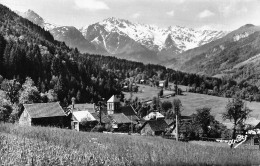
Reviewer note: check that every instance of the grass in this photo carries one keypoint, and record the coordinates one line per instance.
(51, 146)
(147, 92)
(193, 101)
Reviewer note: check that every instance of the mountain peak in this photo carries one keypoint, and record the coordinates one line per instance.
(247, 26)
(114, 20)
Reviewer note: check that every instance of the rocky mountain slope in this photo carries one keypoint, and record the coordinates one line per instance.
(165, 42)
(235, 55)
(69, 34)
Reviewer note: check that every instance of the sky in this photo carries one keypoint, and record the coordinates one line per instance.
(200, 14)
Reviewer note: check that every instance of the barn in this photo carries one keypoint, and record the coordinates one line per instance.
(44, 114)
(154, 127)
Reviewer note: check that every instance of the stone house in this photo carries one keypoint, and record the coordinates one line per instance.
(44, 114)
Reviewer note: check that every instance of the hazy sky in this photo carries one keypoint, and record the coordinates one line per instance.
(214, 14)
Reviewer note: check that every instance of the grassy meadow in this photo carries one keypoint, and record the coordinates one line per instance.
(51, 146)
(193, 101)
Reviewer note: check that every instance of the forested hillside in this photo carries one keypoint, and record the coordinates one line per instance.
(27, 50)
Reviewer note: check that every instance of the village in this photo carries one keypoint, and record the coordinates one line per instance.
(123, 117)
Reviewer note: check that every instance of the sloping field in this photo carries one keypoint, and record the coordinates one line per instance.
(49, 146)
(193, 101)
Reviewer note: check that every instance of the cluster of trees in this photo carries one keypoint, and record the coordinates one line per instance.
(226, 87)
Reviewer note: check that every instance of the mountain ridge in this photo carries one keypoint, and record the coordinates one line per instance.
(147, 44)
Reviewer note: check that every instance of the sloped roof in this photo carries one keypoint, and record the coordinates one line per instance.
(41, 110)
(257, 126)
(104, 118)
(157, 125)
(119, 118)
(83, 107)
(130, 113)
(81, 115)
(113, 99)
(169, 121)
(156, 115)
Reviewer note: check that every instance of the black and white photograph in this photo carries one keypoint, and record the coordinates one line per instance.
(129, 82)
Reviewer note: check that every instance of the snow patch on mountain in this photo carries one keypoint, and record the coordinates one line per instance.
(240, 36)
(154, 38)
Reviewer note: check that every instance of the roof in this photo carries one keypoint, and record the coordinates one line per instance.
(83, 107)
(81, 115)
(169, 121)
(113, 99)
(156, 125)
(130, 113)
(257, 126)
(151, 115)
(104, 118)
(41, 110)
(119, 118)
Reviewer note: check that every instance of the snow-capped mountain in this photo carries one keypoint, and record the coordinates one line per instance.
(174, 38)
(36, 19)
(124, 39)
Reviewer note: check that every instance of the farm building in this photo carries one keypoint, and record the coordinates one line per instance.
(162, 83)
(130, 113)
(44, 114)
(254, 134)
(119, 120)
(153, 115)
(154, 127)
(79, 117)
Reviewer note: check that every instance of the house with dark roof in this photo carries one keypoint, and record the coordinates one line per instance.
(44, 114)
(154, 127)
(130, 113)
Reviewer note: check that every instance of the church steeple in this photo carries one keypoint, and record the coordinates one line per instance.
(112, 104)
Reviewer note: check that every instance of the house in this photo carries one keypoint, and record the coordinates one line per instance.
(170, 122)
(130, 113)
(154, 127)
(104, 118)
(162, 83)
(153, 115)
(44, 114)
(142, 81)
(120, 122)
(254, 134)
(83, 116)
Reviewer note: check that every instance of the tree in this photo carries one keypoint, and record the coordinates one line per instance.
(161, 93)
(203, 118)
(177, 107)
(51, 96)
(5, 112)
(11, 87)
(236, 112)
(29, 92)
(166, 105)
(78, 96)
